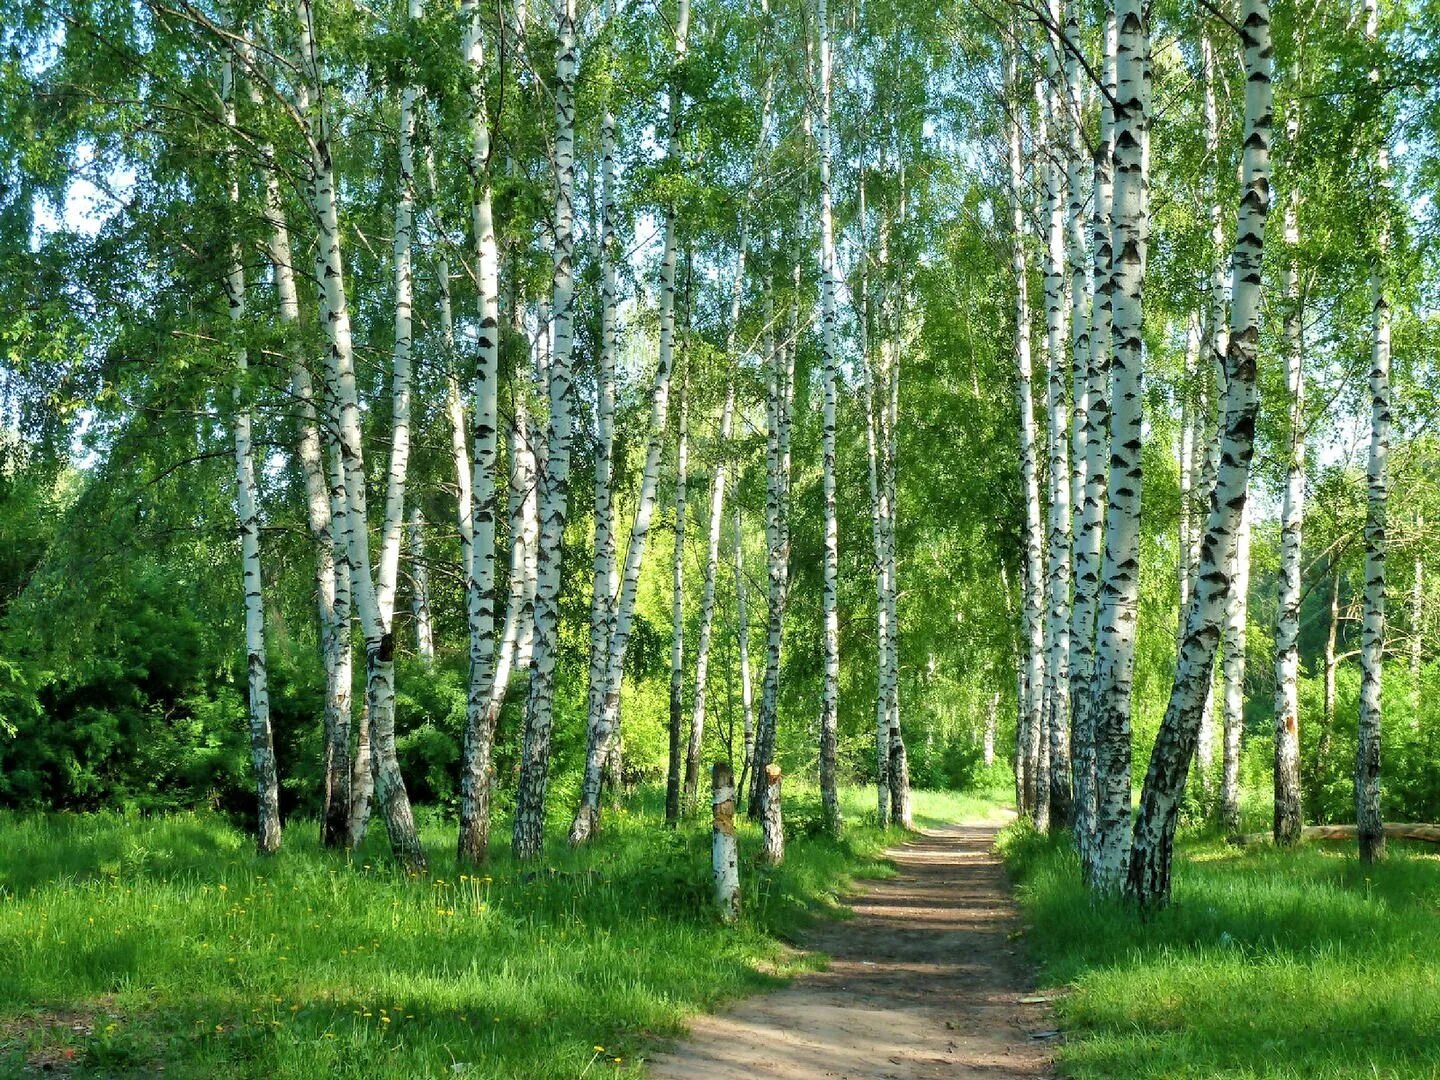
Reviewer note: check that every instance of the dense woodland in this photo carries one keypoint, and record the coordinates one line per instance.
(478, 414)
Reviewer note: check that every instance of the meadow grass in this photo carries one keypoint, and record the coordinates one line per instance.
(129, 945)
(1267, 963)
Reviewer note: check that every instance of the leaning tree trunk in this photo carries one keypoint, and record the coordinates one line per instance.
(1288, 818)
(1233, 670)
(1368, 823)
(529, 828)
(1120, 574)
(1090, 533)
(1057, 616)
(262, 745)
(1148, 881)
(830, 693)
(1033, 647)
(601, 728)
(482, 707)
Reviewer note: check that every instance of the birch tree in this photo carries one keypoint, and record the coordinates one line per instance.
(1120, 574)
(1369, 826)
(529, 827)
(601, 729)
(1148, 881)
(262, 747)
(830, 695)
(1233, 639)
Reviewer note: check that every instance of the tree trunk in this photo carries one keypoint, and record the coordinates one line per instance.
(772, 828)
(262, 745)
(781, 383)
(725, 857)
(1236, 614)
(677, 596)
(1119, 603)
(1368, 822)
(742, 638)
(420, 591)
(362, 782)
(529, 829)
(482, 705)
(1090, 532)
(1148, 881)
(1417, 628)
(1033, 649)
(604, 578)
(1288, 818)
(830, 694)
(600, 729)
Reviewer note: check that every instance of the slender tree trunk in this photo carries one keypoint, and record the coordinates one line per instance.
(898, 769)
(1119, 598)
(1288, 818)
(1090, 533)
(1151, 856)
(677, 593)
(389, 787)
(1033, 649)
(482, 704)
(1368, 823)
(1057, 617)
(1234, 635)
(332, 594)
(262, 746)
(781, 384)
(830, 694)
(601, 728)
(742, 638)
(1417, 629)
(604, 578)
(1332, 661)
(362, 782)
(529, 830)
(420, 591)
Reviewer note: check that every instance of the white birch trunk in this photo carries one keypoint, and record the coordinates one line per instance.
(529, 831)
(601, 729)
(1233, 670)
(742, 636)
(1148, 881)
(420, 591)
(340, 373)
(1369, 826)
(1033, 647)
(677, 581)
(262, 746)
(1288, 816)
(1090, 534)
(1120, 575)
(725, 856)
(482, 704)
(830, 695)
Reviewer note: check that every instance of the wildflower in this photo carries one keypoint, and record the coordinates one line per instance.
(599, 1049)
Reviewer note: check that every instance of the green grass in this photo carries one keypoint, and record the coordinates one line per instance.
(130, 944)
(1266, 964)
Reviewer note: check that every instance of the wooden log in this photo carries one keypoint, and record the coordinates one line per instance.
(725, 858)
(1427, 834)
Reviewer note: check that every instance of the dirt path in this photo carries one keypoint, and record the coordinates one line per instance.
(924, 982)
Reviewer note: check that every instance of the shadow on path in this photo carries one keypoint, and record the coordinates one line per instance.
(924, 982)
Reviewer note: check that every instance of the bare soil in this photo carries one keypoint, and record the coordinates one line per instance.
(927, 980)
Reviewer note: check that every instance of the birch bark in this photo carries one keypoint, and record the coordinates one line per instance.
(529, 828)
(1148, 881)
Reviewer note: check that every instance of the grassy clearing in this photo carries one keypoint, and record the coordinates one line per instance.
(1267, 963)
(129, 944)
